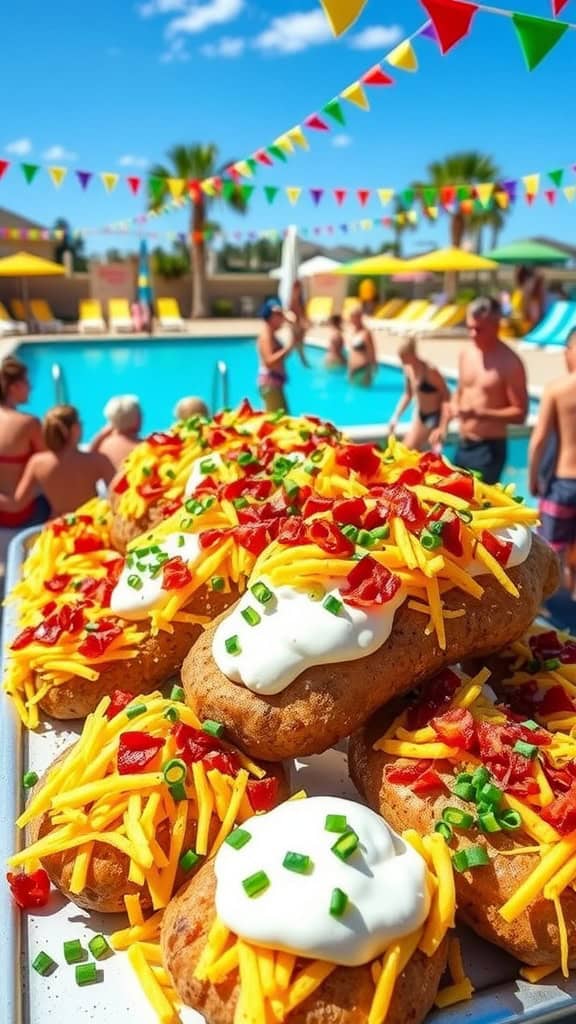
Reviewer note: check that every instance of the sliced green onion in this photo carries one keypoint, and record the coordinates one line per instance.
(332, 604)
(70, 520)
(335, 823)
(181, 541)
(135, 582)
(193, 506)
(44, 964)
(178, 792)
(346, 845)
(465, 515)
(155, 549)
(246, 459)
(464, 777)
(550, 664)
(292, 489)
(490, 794)
(135, 710)
(186, 522)
(217, 583)
(310, 468)
(305, 435)
(338, 903)
(317, 456)
(189, 860)
(457, 818)
(430, 541)
(351, 532)
(484, 808)
(436, 527)
(29, 779)
(172, 715)
(529, 750)
(510, 820)
(208, 466)
(465, 790)
(298, 862)
(251, 616)
(140, 552)
(480, 777)
(73, 951)
(170, 474)
(473, 857)
(174, 771)
(256, 884)
(533, 665)
(489, 822)
(240, 502)
(238, 838)
(146, 471)
(477, 474)
(380, 532)
(261, 592)
(530, 724)
(519, 499)
(177, 693)
(232, 645)
(86, 974)
(213, 728)
(445, 830)
(364, 538)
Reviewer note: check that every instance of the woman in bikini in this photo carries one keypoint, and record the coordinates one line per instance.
(362, 363)
(272, 354)
(335, 356)
(20, 438)
(425, 385)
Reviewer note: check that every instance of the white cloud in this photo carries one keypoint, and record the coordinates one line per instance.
(133, 161)
(147, 10)
(342, 140)
(59, 153)
(294, 33)
(198, 17)
(20, 147)
(376, 37)
(228, 46)
(176, 52)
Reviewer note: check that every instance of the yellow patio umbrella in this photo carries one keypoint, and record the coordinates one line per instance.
(443, 261)
(382, 264)
(25, 265)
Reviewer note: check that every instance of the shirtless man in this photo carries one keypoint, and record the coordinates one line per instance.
(557, 418)
(491, 394)
(122, 431)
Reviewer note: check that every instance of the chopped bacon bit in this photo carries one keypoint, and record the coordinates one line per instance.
(568, 654)
(293, 531)
(411, 477)
(194, 744)
(121, 485)
(456, 728)
(175, 574)
(209, 537)
(460, 485)
(360, 458)
(29, 891)
(87, 543)
(554, 701)
(545, 645)
(225, 761)
(370, 583)
(561, 814)
(152, 486)
(419, 776)
(328, 537)
(499, 549)
(266, 428)
(119, 699)
(97, 642)
(258, 489)
(23, 639)
(58, 583)
(452, 534)
(70, 619)
(49, 631)
(435, 464)
(253, 538)
(135, 751)
(244, 411)
(401, 502)
(349, 510)
(435, 694)
(315, 504)
(263, 793)
(162, 440)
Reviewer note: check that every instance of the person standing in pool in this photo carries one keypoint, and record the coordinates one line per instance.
(20, 438)
(335, 355)
(272, 354)
(362, 363)
(491, 394)
(425, 385)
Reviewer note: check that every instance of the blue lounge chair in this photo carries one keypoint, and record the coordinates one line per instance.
(554, 328)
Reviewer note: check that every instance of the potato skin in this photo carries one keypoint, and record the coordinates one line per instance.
(328, 702)
(123, 531)
(159, 657)
(343, 998)
(533, 937)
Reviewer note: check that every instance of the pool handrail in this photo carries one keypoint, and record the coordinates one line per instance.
(220, 377)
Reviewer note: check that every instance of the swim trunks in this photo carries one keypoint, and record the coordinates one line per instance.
(429, 419)
(558, 513)
(486, 457)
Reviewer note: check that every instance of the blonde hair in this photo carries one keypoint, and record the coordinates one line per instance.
(190, 406)
(57, 426)
(408, 347)
(123, 412)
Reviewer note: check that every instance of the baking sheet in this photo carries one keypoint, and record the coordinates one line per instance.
(28, 998)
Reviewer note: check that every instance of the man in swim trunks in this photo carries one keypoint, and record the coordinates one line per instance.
(491, 394)
(557, 416)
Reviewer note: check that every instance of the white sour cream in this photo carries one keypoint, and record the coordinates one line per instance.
(296, 632)
(521, 539)
(197, 476)
(384, 880)
(133, 603)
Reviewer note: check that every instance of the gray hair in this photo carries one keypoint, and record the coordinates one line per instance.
(190, 406)
(485, 305)
(123, 412)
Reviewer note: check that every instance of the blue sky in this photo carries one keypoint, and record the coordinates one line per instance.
(111, 86)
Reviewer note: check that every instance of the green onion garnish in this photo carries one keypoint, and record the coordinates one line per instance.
(186, 522)
(181, 541)
(490, 794)
(430, 541)
(44, 964)
(29, 779)
(73, 951)
(232, 645)
(155, 549)
(292, 489)
(530, 724)
(346, 845)
(436, 527)
(510, 820)
(550, 664)
(335, 823)
(177, 693)
(240, 502)
(332, 604)
(251, 616)
(256, 884)
(444, 829)
(174, 771)
(172, 715)
(146, 471)
(480, 776)
(457, 818)
(380, 532)
(86, 974)
(140, 552)
(465, 790)
(170, 474)
(305, 435)
(189, 860)
(178, 792)
(208, 466)
(489, 822)
(298, 862)
(217, 583)
(246, 458)
(213, 728)
(193, 506)
(261, 592)
(338, 903)
(238, 838)
(364, 538)
(135, 582)
(529, 750)
(466, 516)
(464, 777)
(473, 857)
(351, 532)
(135, 709)
(317, 456)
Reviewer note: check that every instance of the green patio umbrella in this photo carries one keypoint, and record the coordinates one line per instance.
(528, 252)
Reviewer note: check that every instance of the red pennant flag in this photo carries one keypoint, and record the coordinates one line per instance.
(375, 76)
(451, 19)
(530, 197)
(194, 190)
(447, 195)
(134, 185)
(217, 182)
(558, 5)
(340, 195)
(363, 195)
(234, 174)
(263, 158)
(4, 165)
(317, 123)
(387, 221)
(550, 194)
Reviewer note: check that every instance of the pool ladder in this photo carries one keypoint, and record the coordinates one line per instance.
(220, 386)
(60, 394)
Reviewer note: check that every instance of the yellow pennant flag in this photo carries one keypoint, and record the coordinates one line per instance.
(412, 216)
(285, 144)
(569, 192)
(503, 200)
(208, 187)
(109, 180)
(366, 225)
(400, 218)
(57, 174)
(342, 14)
(385, 195)
(403, 57)
(531, 184)
(296, 135)
(176, 187)
(432, 212)
(355, 94)
(243, 168)
(293, 193)
(484, 192)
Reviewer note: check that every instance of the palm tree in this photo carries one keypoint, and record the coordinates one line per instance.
(194, 163)
(465, 168)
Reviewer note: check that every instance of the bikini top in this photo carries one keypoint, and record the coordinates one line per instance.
(425, 387)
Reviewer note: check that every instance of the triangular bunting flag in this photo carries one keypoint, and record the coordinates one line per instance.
(340, 195)
(176, 187)
(451, 19)
(316, 195)
(531, 183)
(484, 192)
(194, 191)
(296, 135)
(558, 5)
(29, 171)
(228, 189)
(133, 183)
(366, 225)
(156, 185)
(270, 191)
(447, 195)
(467, 206)
(412, 217)
(537, 36)
(277, 152)
(334, 110)
(429, 32)
(503, 199)
(430, 195)
(355, 94)
(4, 165)
(570, 192)
(403, 57)
(462, 192)
(530, 197)
(375, 76)
(243, 168)
(432, 212)
(407, 197)
(363, 195)
(550, 194)
(110, 180)
(315, 122)
(293, 193)
(263, 158)
(284, 144)
(57, 174)
(247, 191)
(342, 14)
(557, 177)
(252, 164)
(208, 187)
(385, 195)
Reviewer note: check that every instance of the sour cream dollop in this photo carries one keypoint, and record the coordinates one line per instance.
(384, 880)
(136, 600)
(200, 470)
(521, 539)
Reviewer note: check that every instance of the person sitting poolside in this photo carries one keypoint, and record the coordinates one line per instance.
(190, 406)
(362, 363)
(335, 356)
(121, 433)
(20, 437)
(66, 476)
(425, 385)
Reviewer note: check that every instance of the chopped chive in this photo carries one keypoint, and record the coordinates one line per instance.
(490, 794)
(529, 750)
(246, 459)
(193, 506)
(208, 466)
(177, 693)
(170, 474)
(256, 884)
(464, 777)
(135, 710)
(317, 456)
(217, 583)
(251, 616)
(261, 592)
(310, 468)
(213, 728)
(189, 860)
(70, 520)
(364, 538)
(232, 645)
(181, 541)
(44, 964)
(338, 903)
(86, 974)
(174, 771)
(73, 951)
(351, 532)
(29, 779)
(457, 818)
(155, 549)
(141, 566)
(146, 471)
(238, 838)
(489, 822)
(436, 527)
(480, 777)
(346, 845)
(240, 502)
(430, 541)
(465, 790)
(380, 532)
(473, 857)
(530, 724)
(186, 522)
(172, 715)
(550, 664)
(178, 792)
(292, 489)
(466, 516)
(298, 862)
(305, 435)
(332, 604)
(445, 830)
(533, 665)
(335, 823)
(135, 582)
(140, 552)
(510, 820)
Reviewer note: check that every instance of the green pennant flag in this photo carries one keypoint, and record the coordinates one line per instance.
(228, 189)
(246, 191)
(537, 36)
(430, 195)
(480, 207)
(462, 192)
(252, 164)
(157, 187)
(407, 197)
(277, 153)
(30, 171)
(334, 110)
(271, 192)
(557, 177)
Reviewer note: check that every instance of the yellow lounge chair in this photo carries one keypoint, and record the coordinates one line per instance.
(319, 309)
(18, 309)
(350, 303)
(412, 310)
(446, 319)
(43, 315)
(169, 315)
(119, 316)
(8, 325)
(420, 322)
(90, 318)
(390, 309)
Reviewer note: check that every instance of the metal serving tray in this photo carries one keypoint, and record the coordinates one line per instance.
(28, 998)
